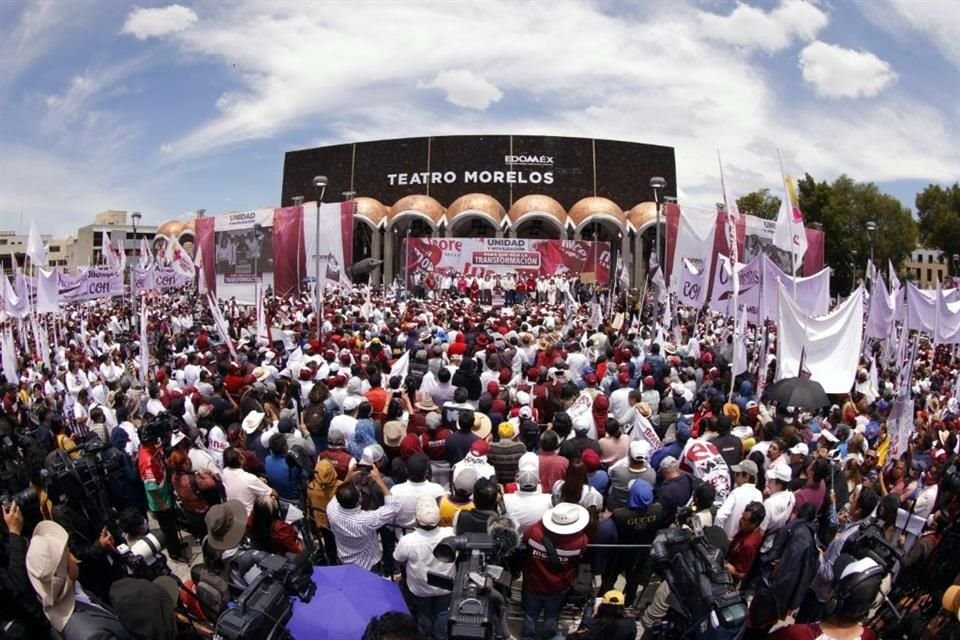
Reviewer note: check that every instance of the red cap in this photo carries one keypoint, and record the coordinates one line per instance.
(493, 387)
(479, 448)
(590, 460)
(649, 382)
(533, 373)
(623, 377)
(590, 378)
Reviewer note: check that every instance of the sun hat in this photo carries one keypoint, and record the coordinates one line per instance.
(226, 524)
(566, 518)
(252, 421)
(799, 449)
(393, 433)
(428, 513)
(427, 404)
(47, 562)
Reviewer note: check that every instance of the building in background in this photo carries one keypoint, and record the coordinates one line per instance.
(87, 248)
(927, 267)
(14, 245)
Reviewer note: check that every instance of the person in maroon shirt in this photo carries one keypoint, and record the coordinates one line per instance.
(815, 488)
(556, 544)
(336, 452)
(553, 467)
(746, 543)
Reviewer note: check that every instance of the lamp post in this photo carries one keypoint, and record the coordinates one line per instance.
(135, 219)
(871, 227)
(657, 183)
(320, 184)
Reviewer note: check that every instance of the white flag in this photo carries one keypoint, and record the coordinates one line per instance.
(201, 277)
(179, 259)
(263, 331)
(9, 356)
(48, 291)
(789, 234)
(144, 343)
(401, 366)
(146, 256)
(36, 250)
(109, 251)
(221, 325)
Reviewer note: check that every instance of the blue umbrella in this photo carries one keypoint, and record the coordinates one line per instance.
(347, 599)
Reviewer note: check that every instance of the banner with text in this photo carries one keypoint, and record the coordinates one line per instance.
(90, 284)
(530, 257)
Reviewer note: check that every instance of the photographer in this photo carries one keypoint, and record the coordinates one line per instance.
(20, 615)
(160, 502)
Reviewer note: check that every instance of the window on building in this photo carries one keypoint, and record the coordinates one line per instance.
(918, 274)
(54, 248)
(98, 238)
(929, 275)
(3, 241)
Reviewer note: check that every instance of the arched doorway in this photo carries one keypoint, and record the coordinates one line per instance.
(537, 217)
(416, 216)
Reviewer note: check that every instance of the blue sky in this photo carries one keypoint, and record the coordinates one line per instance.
(167, 108)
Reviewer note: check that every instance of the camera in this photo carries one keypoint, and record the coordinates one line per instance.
(159, 427)
(24, 499)
(706, 600)
(144, 557)
(268, 582)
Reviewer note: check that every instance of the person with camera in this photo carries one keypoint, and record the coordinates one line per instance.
(414, 552)
(606, 620)
(53, 571)
(356, 529)
(20, 615)
(153, 472)
(850, 603)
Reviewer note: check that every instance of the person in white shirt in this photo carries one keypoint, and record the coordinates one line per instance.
(415, 552)
(76, 380)
(239, 484)
(728, 515)
(779, 505)
(417, 485)
(528, 504)
(346, 422)
(133, 442)
(927, 498)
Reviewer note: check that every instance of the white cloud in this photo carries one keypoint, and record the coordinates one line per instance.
(84, 91)
(752, 28)
(465, 89)
(836, 72)
(34, 33)
(154, 23)
(936, 21)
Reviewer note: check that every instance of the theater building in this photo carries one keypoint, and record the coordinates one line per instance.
(536, 187)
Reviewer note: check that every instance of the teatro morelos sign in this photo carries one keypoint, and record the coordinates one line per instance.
(520, 169)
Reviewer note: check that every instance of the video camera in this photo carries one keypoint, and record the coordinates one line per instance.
(476, 606)
(868, 542)
(159, 427)
(263, 607)
(705, 601)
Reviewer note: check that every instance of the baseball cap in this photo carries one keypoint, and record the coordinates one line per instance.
(591, 460)
(350, 403)
(640, 450)
(527, 480)
(780, 472)
(428, 513)
(614, 597)
(336, 439)
(465, 480)
(506, 430)
(799, 449)
(748, 467)
(479, 448)
(669, 463)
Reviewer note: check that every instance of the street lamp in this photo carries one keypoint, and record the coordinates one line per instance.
(871, 227)
(298, 201)
(657, 183)
(135, 218)
(320, 184)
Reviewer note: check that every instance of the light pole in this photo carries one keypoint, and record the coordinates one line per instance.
(320, 184)
(135, 219)
(657, 183)
(871, 227)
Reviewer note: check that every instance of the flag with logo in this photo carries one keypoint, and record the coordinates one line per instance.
(790, 235)
(114, 258)
(146, 256)
(178, 258)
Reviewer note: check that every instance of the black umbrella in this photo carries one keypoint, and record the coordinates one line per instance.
(364, 266)
(799, 392)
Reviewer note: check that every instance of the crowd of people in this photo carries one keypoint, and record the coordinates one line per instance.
(400, 421)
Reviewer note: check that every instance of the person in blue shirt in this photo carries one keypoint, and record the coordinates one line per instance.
(284, 479)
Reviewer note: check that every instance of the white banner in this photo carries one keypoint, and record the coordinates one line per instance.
(882, 312)
(695, 234)
(692, 290)
(9, 355)
(828, 346)
(155, 277)
(244, 253)
(900, 426)
(812, 293)
(758, 236)
(721, 297)
(90, 284)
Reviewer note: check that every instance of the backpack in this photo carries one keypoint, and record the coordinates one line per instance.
(314, 417)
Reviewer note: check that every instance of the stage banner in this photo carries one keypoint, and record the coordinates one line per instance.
(530, 257)
(91, 284)
(694, 241)
(812, 293)
(206, 249)
(244, 253)
(289, 256)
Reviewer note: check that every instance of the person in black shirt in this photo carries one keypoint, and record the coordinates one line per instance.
(459, 442)
(637, 523)
(486, 495)
(729, 446)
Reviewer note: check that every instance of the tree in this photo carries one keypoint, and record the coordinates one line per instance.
(843, 209)
(759, 203)
(938, 209)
